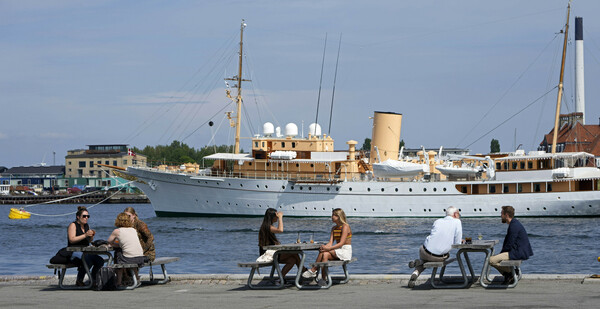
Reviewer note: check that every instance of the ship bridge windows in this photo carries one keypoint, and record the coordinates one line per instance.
(529, 165)
(498, 165)
(514, 165)
(282, 144)
(522, 164)
(505, 165)
(492, 189)
(293, 144)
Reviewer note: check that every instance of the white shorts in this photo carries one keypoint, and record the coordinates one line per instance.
(344, 253)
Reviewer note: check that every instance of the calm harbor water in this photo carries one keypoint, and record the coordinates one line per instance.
(215, 245)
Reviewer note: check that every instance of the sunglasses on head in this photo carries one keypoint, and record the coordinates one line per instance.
(85, 216)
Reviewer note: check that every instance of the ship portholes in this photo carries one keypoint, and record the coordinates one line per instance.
(300, 187)
(444, 189)
(424, 189)
(480, 209)
(368, 189)
(496, 209)
(590, 206)
(396, 189)
(372, 209)
(409, 189)
(257, 186)
(527, 208)
(283, 187)
(266, 187)
(544, 208)
(241, 185)
(309, 188)
(328, 189)
(382, 189)
(573, 207)
(229, 184)
(434, 189)
(292, 187)
(350, 189)
(410, 209)
(354, 209)
(337, 189)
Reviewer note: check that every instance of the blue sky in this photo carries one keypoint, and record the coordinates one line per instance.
(76, 73)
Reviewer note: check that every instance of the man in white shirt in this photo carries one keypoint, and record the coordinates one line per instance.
(444, 233)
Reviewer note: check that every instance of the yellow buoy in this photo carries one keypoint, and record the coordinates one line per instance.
(18, 214)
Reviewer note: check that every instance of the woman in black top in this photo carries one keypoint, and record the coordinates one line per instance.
(79, 234)
(266, 237)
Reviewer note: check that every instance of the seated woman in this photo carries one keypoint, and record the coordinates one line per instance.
(266, 237)
(125, 237)
(342, 234)
(144, 234)
(79, 234)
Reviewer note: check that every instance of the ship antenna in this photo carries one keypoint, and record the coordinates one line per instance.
(560, 85)
(320, 83)
(334, 80)
(239, 81)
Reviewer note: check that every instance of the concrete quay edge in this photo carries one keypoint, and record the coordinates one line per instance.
(242, 278)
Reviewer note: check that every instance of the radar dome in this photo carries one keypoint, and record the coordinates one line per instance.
(291, 130)
(314, 129)
(268, 129)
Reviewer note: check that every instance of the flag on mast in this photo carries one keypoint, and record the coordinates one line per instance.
(130, 153)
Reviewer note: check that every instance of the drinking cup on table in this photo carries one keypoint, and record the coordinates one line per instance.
(468, 240)
(480, 237)
(298, 239)
(312, 236)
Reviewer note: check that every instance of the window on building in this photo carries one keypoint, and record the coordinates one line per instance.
(537, 187)
(80, 172)
(282, 144)
(114, 162)
(124, 162)
(107, 162)
(92, 172)
(498, 165)
(69, 170)
(293, 144)
(514, 165)
(492, 189)
(522, 165)
(81, 163)
(529, 165)
(69, 162)
(549, 187)
(134, 162)
(91, 163)
(99, 162)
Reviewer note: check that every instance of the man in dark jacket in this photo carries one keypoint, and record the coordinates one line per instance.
(516, 244)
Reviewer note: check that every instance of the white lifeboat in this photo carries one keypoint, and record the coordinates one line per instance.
(458, 171)
(395, 168)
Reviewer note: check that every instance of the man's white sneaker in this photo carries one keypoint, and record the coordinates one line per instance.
(309, 274)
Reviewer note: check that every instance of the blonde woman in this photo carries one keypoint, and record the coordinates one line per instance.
(341, 250)
(126, 237)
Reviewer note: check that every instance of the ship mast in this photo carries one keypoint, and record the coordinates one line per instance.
(560, 85)
(238, 99)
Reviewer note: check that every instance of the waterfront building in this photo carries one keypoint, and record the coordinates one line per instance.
(82, 163)
(574, 136)
(36, 177)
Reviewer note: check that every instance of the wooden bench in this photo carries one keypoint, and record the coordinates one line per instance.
(446, 283)
(329, 280)
(61, 269)
(158, 261)
(255, 268)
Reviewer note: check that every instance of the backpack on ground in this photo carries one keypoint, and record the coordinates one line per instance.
(106, 279)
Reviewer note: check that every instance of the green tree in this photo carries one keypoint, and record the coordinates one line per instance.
(494, 146)
(178, 153)
(366, 144)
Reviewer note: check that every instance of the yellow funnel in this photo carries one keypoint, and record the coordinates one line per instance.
(18, 214)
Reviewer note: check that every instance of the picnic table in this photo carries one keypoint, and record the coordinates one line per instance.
(62, 268)
(482, 246)
(296, 248)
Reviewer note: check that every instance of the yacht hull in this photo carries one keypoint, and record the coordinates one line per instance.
(186, 195)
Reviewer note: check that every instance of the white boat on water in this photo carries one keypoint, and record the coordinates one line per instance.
(305, 177)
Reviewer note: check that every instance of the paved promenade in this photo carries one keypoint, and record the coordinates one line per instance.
(372, 291)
